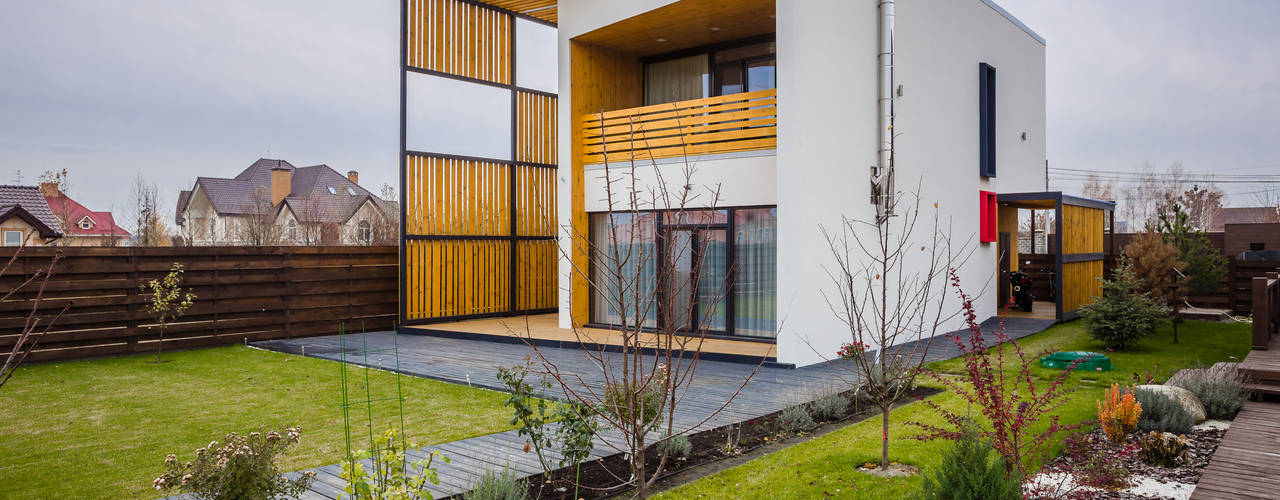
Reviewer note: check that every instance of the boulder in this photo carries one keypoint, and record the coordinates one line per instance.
(1186, 398)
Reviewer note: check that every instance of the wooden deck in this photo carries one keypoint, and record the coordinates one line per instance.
(1039, 310)
(1245, 465)
(544, 329)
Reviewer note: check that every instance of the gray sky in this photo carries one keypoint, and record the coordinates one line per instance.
(173, 90)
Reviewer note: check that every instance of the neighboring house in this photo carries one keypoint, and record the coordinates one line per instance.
(272, 202)
(1244, 215)
(25, 216)
(80, 226)
(782, 107)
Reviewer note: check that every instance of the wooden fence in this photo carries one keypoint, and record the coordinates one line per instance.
(243, 294)
(1235, 292)
(1266, 309)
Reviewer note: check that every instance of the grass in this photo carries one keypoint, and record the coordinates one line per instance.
(101, 428)
(825, 466)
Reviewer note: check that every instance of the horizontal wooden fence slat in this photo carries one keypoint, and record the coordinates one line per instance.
(243, 294)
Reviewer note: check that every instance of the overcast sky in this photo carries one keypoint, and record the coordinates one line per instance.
(176, 89)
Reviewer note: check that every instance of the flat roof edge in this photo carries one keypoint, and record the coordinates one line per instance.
(1015, 21)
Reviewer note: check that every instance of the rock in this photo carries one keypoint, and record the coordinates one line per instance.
(1224, 369)
(1186, 398)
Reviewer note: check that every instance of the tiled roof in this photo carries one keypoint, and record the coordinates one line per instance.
(309, 197)
(30, 201)
(183, 198)
(1244, 215)
(104, 224)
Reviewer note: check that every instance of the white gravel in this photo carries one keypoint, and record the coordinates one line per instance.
(1212, 424)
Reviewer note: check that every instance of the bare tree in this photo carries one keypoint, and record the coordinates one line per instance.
(308, 219)
(258, 226)
(149, 229)
(32, 328)
(1094, 188)
(62, 209)
(1152, 193)
(641, 392)
(890, 293)
(1203, 204)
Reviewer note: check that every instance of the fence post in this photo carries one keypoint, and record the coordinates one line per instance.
(1232, 282)
(286, 266)
(1273, 304)
(1261, 313)
(131, 295)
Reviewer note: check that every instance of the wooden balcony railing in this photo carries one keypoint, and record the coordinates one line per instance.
(721, 124)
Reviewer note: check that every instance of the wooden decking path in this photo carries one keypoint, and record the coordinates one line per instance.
(1247, 462)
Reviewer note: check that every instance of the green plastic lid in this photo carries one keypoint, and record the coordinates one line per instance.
(1091, 361)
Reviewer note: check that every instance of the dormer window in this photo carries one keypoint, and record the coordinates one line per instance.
(85, 223)
(332, 190)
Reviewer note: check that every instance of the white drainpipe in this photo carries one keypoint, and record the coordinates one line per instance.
(882, 193)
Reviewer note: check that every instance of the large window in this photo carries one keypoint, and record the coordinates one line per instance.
(986, 120)
(711, 71)
(694, 270)
(13, 238)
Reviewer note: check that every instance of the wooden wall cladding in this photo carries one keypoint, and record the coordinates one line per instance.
(536, 128)
(1080, 283)
(243, 294)
(452, 197)
(447, 278)
(535, 201)
(459, 38)
(1082, 228)
(537, 263)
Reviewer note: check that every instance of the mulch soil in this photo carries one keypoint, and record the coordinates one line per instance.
(605, 477)
(1200, 447)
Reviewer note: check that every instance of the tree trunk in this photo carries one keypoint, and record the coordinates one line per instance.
(884, 436)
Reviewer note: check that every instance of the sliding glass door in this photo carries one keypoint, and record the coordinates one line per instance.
(711, 271)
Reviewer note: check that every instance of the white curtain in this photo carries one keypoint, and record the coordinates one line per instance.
(755, 295)
(676, 80)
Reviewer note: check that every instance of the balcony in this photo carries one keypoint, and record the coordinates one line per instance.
(723, 124)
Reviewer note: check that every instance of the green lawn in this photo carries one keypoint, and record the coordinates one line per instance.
(825, 466)
(101, 428)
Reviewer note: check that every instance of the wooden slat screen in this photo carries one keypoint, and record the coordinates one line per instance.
(447, 196)
(459, 38)
(457, 278)
(536, 127)
(722, 124)
(243, 294)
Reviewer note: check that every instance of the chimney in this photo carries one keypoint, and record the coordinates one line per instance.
(281, 180)
(353, 176)
(49, 189)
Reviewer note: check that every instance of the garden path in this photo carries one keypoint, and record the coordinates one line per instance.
(475, 362)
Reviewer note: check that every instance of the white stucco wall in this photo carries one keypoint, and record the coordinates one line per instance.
(728, 180)
(827, 137)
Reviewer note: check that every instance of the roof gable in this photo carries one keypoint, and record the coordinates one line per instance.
(33, 205)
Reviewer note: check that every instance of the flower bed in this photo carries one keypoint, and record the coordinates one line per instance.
(599, 478)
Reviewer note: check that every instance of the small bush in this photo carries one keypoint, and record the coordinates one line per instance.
(1152, 258)
(494, 486)
(1124, 314)
(1162, 413)
(650, 399)
(677, 446)
(969, 471)
(1221, 391)
(1095, 464)
(1162, 449)
(239, 467)
(1119, 414)
(795, 419)
(829, 407)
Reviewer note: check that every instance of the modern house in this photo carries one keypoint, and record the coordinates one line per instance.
(25, 218)
(80, 226)
(272, 202)
(793, 114)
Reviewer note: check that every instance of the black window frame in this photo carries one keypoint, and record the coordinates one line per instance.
(986, 120)
(730, 227)
(710, 51)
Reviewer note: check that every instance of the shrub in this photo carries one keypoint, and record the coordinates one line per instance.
(1205, 265)
(795, 419)
(577, 427)
(1152, 258)
(649, 399)
(239, 467)
(530, 414)
(1124, 313)
(1119, 414)
(969, 471)
(1162, 448)
(494, 486)
(829, 407)
(389, 477)
(1221, 391)
(677, 446)
(1024, 427)
(1095, 464)
(1162, 413)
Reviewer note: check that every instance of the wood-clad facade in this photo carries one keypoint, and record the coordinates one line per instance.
(1078, 252)
(478, 233)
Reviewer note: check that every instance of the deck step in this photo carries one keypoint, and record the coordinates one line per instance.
(1272, 389)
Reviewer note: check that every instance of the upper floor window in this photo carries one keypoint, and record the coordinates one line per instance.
(293, 230)
(364, 232)
(723, 69)
(86, 223)
(13, 238)
(986, 120)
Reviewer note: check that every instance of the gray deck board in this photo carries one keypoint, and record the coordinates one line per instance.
(475, 363)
